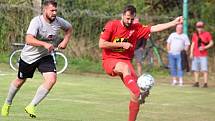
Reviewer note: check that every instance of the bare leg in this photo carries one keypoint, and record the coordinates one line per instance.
(205, 77)
(122, 68)
(196, 76)
(139, 69)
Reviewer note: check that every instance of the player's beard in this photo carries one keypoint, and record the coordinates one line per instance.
(51, 19)
(126, 25)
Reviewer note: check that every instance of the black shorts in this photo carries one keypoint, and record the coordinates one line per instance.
(44, 64)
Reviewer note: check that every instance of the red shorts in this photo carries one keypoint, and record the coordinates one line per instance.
(109, 65)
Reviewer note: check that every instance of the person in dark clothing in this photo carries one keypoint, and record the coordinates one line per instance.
(138, 54)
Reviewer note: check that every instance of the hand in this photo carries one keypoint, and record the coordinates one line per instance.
(126, 45)
(201, 48)
(62, 45)
(191, 56)
(49, 47)
(141, 48)
(178, 20)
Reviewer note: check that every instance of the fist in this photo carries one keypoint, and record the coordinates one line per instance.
(49, 47)
(191, 56)
(126, 45)
(178, 20)
(201, 48)
(62, 45)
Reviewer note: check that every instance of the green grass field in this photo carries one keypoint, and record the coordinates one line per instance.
(90, 97)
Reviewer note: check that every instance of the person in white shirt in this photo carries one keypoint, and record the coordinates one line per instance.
(177, 42)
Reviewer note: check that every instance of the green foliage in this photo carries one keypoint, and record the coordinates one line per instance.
(84, 65)
(14, 19)
(88, 17)
(4, 57)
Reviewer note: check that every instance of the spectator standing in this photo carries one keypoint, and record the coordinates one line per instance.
(201, 42)
(176, 43)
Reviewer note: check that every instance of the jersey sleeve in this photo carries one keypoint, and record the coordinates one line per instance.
(33, 27)
(64, 24)
(143, 31)
(107, 31)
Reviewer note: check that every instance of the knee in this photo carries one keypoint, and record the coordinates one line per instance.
(139, 64)
(49, 84)
(179, 66)
(50, 78)
(122, 67)
(171, 65)
(51, 81)
(18, 82)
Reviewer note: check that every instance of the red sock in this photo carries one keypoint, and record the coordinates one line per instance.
(133, 110)
(131, 84)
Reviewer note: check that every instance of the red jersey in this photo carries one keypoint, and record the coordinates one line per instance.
(205, 37)
(114, 31)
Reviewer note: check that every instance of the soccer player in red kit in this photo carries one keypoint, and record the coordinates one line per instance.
(118, 41)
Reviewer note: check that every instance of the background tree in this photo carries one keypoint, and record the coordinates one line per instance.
(89, 16)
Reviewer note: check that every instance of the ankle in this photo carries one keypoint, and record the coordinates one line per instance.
(31, 105)
(174, 81)
(7, 103)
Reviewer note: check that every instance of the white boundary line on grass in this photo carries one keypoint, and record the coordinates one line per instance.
(2, 74)
(73, 100)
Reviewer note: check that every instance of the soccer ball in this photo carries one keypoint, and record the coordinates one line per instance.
(145, 82)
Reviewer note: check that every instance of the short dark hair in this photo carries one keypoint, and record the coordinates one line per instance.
(130, 8)
(50, 2)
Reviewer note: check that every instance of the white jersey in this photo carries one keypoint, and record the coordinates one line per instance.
(178, 42)
(42, 31)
